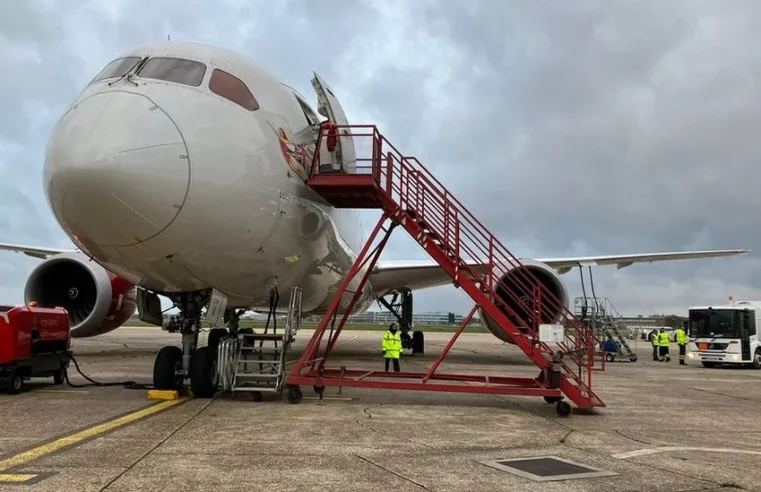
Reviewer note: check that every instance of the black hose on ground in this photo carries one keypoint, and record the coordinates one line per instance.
(126, 384)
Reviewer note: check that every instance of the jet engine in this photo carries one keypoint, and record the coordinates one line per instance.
(513, 295)
(97, 300)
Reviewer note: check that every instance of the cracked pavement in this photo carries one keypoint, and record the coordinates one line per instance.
(380, 439)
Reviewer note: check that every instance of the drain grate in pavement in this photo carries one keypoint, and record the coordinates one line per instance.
(548, 468)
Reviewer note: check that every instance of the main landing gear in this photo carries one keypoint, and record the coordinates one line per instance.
(402, 311)
(174, 365)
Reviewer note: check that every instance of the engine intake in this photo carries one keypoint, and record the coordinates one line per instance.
(514, 296)
(97, 300)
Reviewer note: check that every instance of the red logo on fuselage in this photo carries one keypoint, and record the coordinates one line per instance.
(298, 156)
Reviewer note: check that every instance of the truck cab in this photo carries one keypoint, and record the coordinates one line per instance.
(725, 334)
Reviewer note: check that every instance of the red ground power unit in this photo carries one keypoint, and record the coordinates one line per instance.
(34, 342)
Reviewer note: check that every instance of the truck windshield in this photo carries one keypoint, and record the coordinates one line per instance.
(715, 323)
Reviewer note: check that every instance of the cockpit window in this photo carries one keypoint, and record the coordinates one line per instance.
(232, 88)
(117, 68)
(177, 70)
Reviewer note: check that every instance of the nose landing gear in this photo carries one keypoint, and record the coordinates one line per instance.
(174, 365)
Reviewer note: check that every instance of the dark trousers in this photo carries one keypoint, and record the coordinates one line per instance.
(682, 350)
(664, 352)
(655, 352)
(396, 364)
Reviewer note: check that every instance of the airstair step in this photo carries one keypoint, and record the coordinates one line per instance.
(249, 376)
(243, 360)
(263, 337)
(263, 350)
(260, 389)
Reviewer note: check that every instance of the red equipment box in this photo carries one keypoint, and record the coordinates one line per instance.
(34, 342)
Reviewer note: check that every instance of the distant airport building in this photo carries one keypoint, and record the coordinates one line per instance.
(385, 317)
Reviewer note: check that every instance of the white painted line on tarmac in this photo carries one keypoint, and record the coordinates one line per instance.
(666, 449)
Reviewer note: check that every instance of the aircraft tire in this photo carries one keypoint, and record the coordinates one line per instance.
(203, 373)
(418, 342)
(168, 360)
(214, 336)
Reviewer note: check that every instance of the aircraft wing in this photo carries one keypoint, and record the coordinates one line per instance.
(33, 251)
(415, 275)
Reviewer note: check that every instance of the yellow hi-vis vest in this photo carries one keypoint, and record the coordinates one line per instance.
(392, 345)
(681, 337)
(663, 339)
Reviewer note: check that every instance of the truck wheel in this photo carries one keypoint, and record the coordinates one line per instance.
(203, 373)
(757, 359)
(168, 360)
(59, 376)
(15, 384)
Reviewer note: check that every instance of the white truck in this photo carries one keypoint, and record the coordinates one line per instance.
(725, 334)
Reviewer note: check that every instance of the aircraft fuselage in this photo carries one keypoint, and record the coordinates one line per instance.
(178, 189)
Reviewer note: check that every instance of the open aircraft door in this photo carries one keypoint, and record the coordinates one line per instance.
(344, 157)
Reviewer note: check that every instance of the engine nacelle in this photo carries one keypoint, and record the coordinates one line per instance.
(97, 300)
(546, 276)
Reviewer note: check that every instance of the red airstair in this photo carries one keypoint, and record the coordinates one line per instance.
(411, 197)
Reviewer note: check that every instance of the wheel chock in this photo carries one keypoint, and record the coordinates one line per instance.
(163, 395)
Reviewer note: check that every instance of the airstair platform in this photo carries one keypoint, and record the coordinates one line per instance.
(410, 197)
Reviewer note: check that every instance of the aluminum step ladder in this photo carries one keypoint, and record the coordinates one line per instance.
(605, 321)
(610, 328)
(255, 362)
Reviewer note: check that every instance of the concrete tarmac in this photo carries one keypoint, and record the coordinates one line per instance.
(666, 428)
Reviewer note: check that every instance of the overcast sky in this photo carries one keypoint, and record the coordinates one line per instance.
(570, 128)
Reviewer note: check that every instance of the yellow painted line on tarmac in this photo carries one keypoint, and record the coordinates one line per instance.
(20, 478)
(72, 440)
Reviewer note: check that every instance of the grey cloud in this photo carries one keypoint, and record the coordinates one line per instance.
(587, 128)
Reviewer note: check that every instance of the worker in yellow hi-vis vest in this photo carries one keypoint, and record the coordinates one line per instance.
(392, 346)
(663, 342)
(681, 340)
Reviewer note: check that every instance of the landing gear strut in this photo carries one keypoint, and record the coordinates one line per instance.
(416, 341)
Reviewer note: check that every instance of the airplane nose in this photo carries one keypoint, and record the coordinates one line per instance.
(117, 169)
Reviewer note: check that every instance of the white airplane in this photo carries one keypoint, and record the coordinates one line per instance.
(180, 171)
